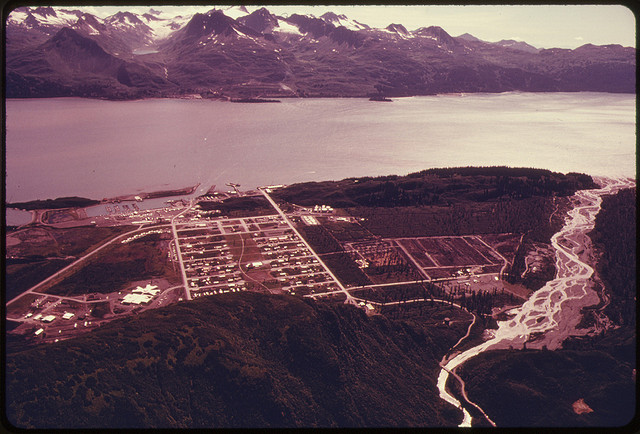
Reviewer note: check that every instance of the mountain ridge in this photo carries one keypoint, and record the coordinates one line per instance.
(260, 54)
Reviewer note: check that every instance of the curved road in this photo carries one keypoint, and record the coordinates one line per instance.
(552, 311)
(81, 259)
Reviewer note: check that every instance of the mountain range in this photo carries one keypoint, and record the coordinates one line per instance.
(232, 53)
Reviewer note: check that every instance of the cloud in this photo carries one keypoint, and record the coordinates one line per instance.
(579, 38)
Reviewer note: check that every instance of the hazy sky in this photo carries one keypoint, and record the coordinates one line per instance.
(541, 26)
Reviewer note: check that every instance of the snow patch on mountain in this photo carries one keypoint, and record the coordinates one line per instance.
(285, 27)
(234, 12)
(17, 17)
(48, 17)
(344, 21)
(163, 27)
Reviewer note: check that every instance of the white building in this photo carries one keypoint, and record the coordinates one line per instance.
(147, 290)
(136, 298)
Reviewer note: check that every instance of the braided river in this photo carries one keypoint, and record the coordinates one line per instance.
(551, 313)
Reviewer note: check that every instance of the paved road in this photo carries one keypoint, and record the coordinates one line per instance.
(350, 298)
(179, 253)
(81, 259)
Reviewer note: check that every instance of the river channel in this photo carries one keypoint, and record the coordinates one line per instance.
(551, 313)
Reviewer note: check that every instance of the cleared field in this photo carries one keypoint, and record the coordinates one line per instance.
(417, 251)
(481, 247)
(452, 251)
(22, 304)
(492, 268)
(444, 252)
(441, 273)
(243, 247)
(439, 252)
(183, 233)
(505, 244)
(383, 261)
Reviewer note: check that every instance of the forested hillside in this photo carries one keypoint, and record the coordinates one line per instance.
(539, 388)
(437, 187)
(237, 360)
(617, 265)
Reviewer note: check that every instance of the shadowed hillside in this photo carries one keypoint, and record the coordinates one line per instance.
(238, 360)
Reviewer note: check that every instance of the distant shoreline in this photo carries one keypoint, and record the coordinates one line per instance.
(293, 97)
(82, 202)
(154, 194)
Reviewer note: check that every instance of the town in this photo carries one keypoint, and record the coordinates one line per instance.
(213, 250)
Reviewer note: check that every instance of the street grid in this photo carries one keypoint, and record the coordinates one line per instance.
(217, 254)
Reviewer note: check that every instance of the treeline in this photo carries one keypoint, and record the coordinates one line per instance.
(393, 264)
(393, 293)
(483, 302)
(61, 202)
(437, 187)
(320, 239)
(615, 234)
(515, 216)
(239, 206)
(345, 269)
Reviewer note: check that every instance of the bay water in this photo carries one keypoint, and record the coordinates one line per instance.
(95, 148)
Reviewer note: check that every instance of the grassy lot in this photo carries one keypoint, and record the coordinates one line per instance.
(117, 265)
(22, 276)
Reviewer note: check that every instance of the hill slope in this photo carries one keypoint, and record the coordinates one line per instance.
(238, 360)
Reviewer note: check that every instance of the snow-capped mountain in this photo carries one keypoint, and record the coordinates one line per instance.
(517, 45)
(342, 20)
(230, 51)
(43, 18)
(161, 25)
(398, 29)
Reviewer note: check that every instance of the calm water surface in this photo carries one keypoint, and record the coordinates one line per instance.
(92, 148)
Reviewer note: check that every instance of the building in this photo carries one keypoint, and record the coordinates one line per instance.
(322, 208)
(137, 299)
(147, 290)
